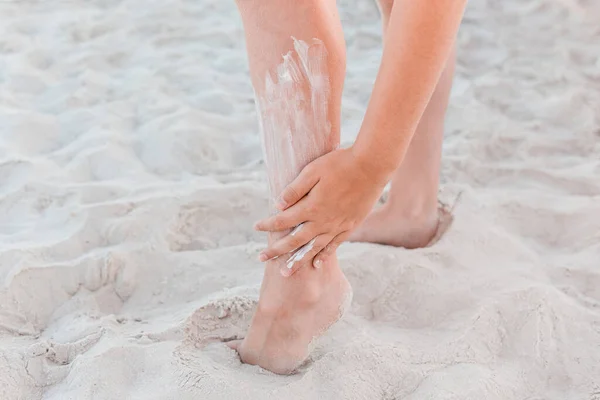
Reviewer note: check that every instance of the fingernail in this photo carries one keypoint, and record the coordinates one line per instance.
(285, 272)
(280, 203)
(263, 257)
(318, 264)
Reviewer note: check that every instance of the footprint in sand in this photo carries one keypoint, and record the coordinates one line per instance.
(45, 363)
(220, 320)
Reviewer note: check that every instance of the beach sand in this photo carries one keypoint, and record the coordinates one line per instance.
(131, 175)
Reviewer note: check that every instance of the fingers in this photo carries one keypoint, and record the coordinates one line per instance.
(304, 255)
(330, 249)
(285, 220)
(298, 188)
(300, 236)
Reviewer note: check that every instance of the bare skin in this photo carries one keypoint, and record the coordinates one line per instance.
(292, 311)
(333, 194)
(409, 217)
(410, 94)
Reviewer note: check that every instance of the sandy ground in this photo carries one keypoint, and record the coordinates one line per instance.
(131, 174)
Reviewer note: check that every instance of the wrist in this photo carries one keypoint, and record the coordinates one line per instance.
(378, 168)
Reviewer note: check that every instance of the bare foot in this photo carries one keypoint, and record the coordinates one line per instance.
(386, 225)
(291, 313)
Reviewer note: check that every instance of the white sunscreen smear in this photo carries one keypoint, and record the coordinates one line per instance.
(292, 110)
(293, 120)
(297, 229)
(300, 253)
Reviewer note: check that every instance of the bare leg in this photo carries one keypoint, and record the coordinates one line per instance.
(297, 64)
(409, 218)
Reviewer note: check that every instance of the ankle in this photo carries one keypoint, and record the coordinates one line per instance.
(315, 283)
(305, 289)
(413, 210)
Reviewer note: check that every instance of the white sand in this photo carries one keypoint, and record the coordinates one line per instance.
(131, 175)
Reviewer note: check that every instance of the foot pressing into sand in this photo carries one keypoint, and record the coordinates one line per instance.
(393, 226)
(291, 313)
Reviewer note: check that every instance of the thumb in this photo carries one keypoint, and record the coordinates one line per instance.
(298, 188)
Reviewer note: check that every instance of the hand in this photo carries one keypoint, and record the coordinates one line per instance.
(324, 204)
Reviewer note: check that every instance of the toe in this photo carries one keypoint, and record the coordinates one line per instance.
(234, 344)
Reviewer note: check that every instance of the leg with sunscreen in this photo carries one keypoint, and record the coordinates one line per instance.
(297, 64)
